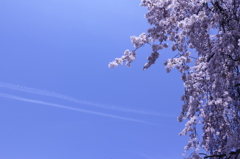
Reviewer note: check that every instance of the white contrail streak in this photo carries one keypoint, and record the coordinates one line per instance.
(72, 108)
(70, 99)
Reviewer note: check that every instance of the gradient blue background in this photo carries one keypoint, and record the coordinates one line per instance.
(64, 46)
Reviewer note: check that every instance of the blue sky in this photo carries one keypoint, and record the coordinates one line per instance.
(59, 100)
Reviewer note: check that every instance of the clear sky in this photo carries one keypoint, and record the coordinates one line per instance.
(59, 100)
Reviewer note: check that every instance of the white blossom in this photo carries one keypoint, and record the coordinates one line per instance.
(211, 76)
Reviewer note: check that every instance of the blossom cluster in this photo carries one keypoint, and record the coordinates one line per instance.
(128, 57)
(212, 83)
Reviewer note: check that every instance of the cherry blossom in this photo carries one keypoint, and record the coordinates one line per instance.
(211, 99)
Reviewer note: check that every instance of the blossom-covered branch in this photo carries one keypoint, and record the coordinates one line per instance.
(212, 86)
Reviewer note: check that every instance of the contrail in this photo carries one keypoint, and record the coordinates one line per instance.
(72, 108)
(67, 98)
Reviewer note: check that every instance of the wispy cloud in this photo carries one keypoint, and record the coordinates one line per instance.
(70, 99)
(72, 108)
